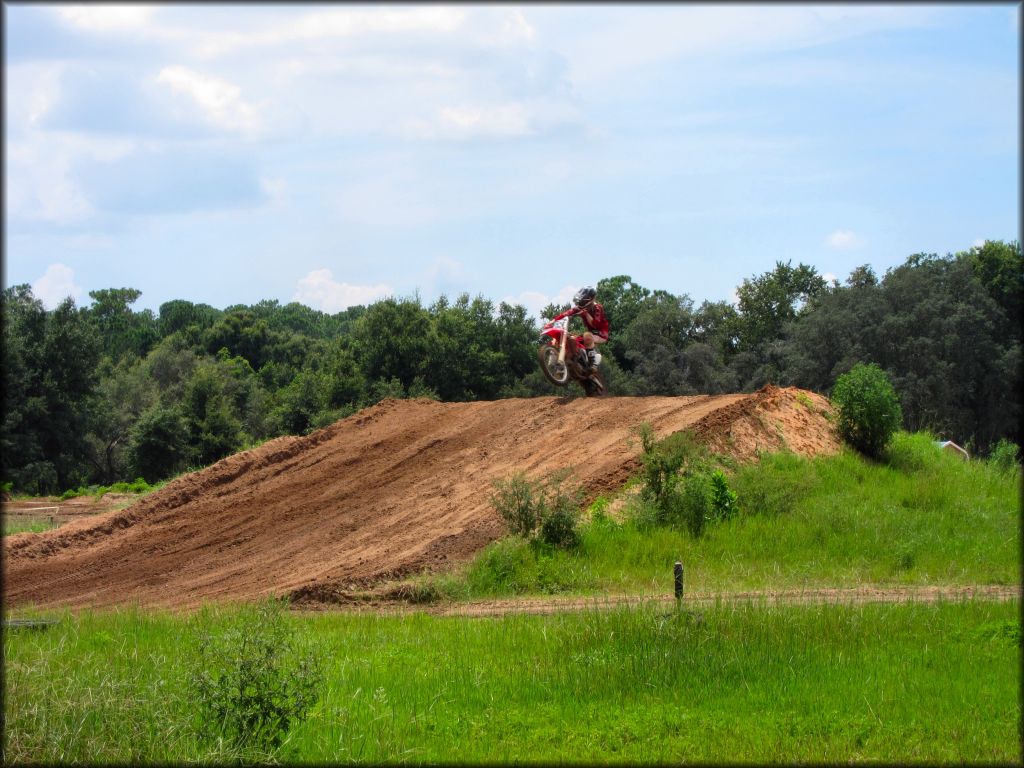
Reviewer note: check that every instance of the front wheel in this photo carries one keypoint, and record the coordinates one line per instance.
(554, 371)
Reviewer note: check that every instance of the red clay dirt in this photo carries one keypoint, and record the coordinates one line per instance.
(394, 489)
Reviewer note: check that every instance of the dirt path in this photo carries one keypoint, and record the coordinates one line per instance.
(395, 489)
(850, 596)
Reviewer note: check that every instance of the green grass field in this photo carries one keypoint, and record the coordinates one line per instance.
(896, 683)
(743, 682)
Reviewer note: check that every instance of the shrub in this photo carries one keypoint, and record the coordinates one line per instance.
(249, 682)
(1005, 456)
(723, 498)
(869, 409)
(550, 509)
(660, 465)
(517, 501)
(681, 483)
(558, 523)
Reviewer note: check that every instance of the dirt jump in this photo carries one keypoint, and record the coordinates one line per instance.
(392, 490)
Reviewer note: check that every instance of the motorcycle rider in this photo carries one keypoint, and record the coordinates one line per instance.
(594, 319)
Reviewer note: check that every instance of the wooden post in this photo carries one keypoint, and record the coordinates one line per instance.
(678, 572)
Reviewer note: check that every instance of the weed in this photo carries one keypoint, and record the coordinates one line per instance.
(249, 681)
(1005, 456)
(549, 510)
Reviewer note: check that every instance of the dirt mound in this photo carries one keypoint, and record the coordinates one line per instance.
(391, 490)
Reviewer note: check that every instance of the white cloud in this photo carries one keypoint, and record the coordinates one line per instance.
(494, 121)
(220, 100)
(41, 184)
(844, 239)
(56, 285)
(979, 243)
(446, 269)
(337, 23)
(535, 301)
(319, 290)
(107, 18)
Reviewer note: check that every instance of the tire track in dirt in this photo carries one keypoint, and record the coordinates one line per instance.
(392, 490)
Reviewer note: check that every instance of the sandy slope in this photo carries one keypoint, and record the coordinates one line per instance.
(391, 490)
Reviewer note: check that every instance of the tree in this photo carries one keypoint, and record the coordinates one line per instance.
(158, 445)
(178, 315)
(622, 300)
(869, 409)
(1000, 268)
(124, 392)
(49, 369)
(122, 331)
(392, 339)
(214, 427)
(654, 343)
(767, 302)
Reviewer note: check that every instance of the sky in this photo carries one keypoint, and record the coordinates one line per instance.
(338, 154)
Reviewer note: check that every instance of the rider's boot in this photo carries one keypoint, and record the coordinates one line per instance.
(592, 358)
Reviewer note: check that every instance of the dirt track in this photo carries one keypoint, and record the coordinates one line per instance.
(389, 491)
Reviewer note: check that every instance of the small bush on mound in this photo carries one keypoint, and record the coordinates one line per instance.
(869, 409)
(680, 484)
(548, 510)
(249, 682)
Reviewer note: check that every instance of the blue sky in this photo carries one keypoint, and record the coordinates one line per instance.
(335, 154)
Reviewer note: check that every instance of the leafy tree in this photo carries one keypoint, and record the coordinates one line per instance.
(242, 333)
(50, 361)
(346, 384)
(1000, 268)
(392, 340)
(464, 360)
(716, 325)
(301, 402)
(123, 394)
(654, 344)
(170, 365)
(869, 409)
(622, 300)
(214, 428)
(159, 444)
(767, 302)
(178, 315)
(122, 331)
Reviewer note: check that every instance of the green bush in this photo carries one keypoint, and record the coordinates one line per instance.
(1005, 456)
(249, 681)
(549, 510)
(558, 522)
(869, 409)
(913, 452)
(681, 484)
(723, 498)
(517, 501)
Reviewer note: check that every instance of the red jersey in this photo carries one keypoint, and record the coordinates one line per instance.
(597, 323)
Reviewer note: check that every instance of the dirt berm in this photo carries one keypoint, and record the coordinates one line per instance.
(389, 491)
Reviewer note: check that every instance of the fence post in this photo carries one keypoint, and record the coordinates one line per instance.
(678, 573)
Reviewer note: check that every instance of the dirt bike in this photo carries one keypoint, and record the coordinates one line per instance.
(563, 358)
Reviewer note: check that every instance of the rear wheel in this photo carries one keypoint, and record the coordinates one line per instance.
(554, 371)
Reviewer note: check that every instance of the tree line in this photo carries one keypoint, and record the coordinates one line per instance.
(102, 393)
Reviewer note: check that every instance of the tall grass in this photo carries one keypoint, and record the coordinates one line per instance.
(747, 682)
(922, 516)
